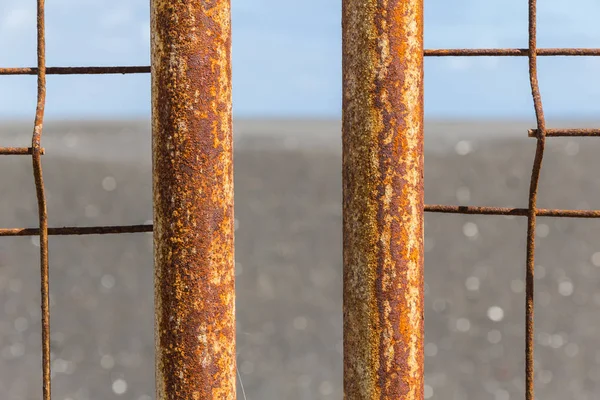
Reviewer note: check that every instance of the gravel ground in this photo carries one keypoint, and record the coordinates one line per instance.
(288, 238)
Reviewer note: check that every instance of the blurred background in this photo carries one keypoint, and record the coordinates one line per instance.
(287, 107)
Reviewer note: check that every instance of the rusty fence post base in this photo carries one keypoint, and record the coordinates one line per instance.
(193, 200)
(383, 199)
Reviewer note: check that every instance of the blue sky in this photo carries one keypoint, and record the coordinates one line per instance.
(287, 58)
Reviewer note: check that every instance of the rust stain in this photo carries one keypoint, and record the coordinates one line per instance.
(383, 199)
(580, 52)
(533, 191)
(76, 70)
(19, 151)
(36, 158)
(78, 230)
(523, 212)
(193, 199)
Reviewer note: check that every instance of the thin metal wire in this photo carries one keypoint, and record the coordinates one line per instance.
(77, 230)
(509, 52)
(566, 132)
(41, 198)
(520, 212)
(77, 70)
(18, 151)
(533, 190)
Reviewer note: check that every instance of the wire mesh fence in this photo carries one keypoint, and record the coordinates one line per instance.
(389, 375)
(540, 133)
(36, 151)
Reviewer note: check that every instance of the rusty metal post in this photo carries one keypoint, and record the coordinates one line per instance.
(383, 199)
(193, 199)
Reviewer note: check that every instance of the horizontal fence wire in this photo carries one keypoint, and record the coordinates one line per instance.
(78, 230)
(18, 151)
(531, 212)
(522, 212)
(511, 52)
(566, 132)
(77, 70)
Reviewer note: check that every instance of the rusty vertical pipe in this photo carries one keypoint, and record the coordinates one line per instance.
(383, 199)
(193, 199)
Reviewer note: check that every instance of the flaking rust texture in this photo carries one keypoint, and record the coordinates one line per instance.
(383, 199)
(193, 199)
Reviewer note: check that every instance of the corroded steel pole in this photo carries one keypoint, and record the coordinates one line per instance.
(193, 199)
(383, 199)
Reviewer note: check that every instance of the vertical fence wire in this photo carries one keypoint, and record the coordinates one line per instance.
(533, 190)
(41, 198)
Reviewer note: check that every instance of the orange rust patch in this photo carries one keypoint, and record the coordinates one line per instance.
(383, 199)
(193, 200)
